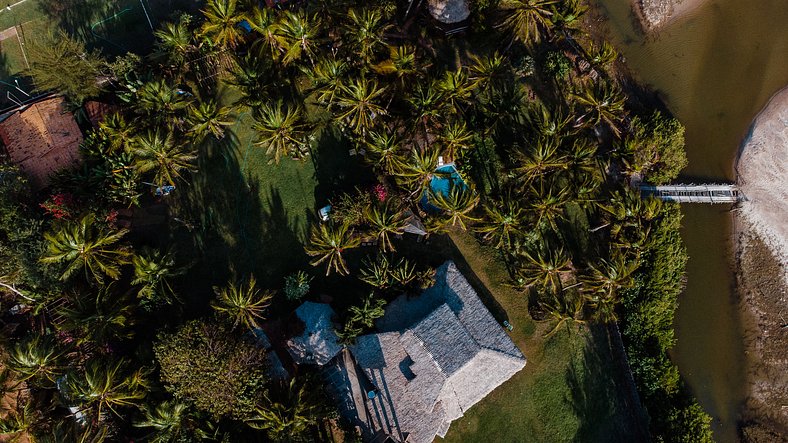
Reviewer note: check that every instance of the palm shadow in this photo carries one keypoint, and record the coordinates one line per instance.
(602, 396)
(228, 230)
(336, 171)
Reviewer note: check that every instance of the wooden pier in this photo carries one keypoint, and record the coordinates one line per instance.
(708, 193)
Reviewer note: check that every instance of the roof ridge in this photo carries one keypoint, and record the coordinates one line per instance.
(420, 342)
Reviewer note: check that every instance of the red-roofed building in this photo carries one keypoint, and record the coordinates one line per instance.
(42, 138)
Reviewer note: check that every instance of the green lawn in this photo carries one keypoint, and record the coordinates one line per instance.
(568, 391)
(248, 215)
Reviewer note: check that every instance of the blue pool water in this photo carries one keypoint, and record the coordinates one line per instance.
(441, 183)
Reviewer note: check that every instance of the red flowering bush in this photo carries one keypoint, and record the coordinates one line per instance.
(59, 206)
(380, 192)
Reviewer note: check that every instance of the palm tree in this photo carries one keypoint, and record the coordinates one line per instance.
(567, 16)
(603, 54)
(548, 204)
(386, 220)
(563, 309)
(602, 103)
(504, 221)
(526, 19)
(384, 149)
(606, 278)
(170, 421)
(174, 45)
(208, 119)
(82, 245)
(456, 205)
(161, 154)
(418, 171)
(288, 413)
(18, 422)
(103, 386)
(365, 29)
(263, 21)
(456, 89)
(117, 130)
(376, 273)
(542, 158)
(222, 23)
(402, 63)
(428, 103)
(505, 108)
(161, 102)
(542, 265)
(328, 242)
(251, 76)
(487, 71)
(328, 76)
(297, 35)
(550, 124)
(39, 360)
(370, 310)
(361, 103)
(629, 217)
(282, 130)
(103, 319)
(455, 139)
(242, 303)
(153, 269)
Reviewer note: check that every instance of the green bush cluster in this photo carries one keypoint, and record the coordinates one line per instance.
(650, 307)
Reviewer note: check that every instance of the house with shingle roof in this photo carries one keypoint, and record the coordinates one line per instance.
(435, 356)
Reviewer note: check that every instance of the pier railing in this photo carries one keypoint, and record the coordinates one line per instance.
(705, 193)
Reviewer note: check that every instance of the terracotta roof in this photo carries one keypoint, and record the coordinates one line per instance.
(42, 139)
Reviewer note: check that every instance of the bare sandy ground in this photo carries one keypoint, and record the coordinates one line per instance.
(762, 169)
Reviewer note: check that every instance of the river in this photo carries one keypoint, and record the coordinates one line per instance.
(715, 67)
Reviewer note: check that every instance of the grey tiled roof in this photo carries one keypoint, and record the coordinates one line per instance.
(438, 354)
(319, 342)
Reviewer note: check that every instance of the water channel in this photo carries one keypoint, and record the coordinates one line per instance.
(715, 67)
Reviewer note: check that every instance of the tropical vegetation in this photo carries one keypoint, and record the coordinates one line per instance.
(145, 286)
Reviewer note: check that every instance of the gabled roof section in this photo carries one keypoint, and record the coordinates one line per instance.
(445, 339)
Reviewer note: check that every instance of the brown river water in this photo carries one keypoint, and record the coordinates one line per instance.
(715, 67)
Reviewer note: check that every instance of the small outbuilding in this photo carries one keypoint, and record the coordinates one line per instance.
(449, 11)
(42, 138)
(319, 342)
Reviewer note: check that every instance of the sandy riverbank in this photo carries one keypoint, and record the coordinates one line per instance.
(762, 277)
(762, 174)
(655, 14)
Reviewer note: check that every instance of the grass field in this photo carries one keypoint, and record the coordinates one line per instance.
(248, 215)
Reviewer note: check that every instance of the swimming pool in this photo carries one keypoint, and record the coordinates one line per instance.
(441, 183)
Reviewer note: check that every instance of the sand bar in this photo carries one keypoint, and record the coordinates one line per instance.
(762, 169)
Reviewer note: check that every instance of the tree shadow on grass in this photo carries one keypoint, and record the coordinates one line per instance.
(600, 396)
(223, 226)
(114, 26)
(335, 170)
